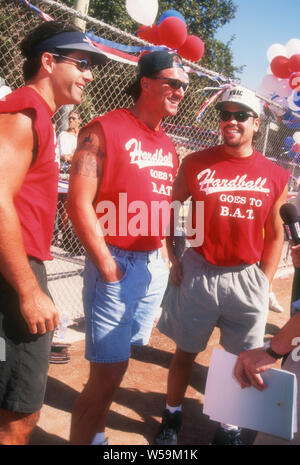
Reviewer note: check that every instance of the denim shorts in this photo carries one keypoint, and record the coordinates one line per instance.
(122, 313)
(235, 299)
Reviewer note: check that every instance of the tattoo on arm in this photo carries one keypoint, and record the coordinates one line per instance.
(89, 160)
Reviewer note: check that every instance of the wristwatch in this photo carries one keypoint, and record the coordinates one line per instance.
(267, 348)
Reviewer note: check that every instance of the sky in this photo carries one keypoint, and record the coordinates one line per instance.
(259, 24)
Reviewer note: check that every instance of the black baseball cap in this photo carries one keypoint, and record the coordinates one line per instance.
(153, 62)
(71, 41)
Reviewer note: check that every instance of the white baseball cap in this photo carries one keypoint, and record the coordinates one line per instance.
(241, 96)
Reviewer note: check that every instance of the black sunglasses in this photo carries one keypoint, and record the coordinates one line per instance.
(82, 65)
(174, 83)
(239, 116)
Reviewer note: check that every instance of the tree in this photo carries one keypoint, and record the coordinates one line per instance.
(203, 17)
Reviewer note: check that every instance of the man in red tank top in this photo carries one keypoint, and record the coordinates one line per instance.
(225, 280)
(122, 170)
(56, 70)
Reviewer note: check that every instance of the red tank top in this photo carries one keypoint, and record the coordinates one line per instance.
(140, 166)
(36, 201)
(238, 194)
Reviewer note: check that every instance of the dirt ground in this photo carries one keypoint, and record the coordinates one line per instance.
(135, 413)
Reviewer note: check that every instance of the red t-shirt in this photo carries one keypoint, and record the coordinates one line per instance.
(36, 201)
(140, 166)
(238, 194)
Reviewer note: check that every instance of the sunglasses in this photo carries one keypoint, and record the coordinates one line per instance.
(82, 65)
(239, 116)
(174, 83)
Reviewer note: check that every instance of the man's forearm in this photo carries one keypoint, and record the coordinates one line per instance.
(284, 340)
(88, 229)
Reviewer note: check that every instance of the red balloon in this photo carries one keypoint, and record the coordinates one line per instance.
(192, 49)
(149, 33)
(280, 67)
(294, 63)
(296, 148)
(294, 81)
(172, 32)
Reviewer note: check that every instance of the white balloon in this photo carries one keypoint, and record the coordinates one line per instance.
(283, 87)
(269, 84)
(296, 137)
(276, 50)
(142, 11)
(292, 47)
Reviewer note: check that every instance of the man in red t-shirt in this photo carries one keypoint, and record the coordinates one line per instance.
(223, 281)
(56, 70)
(121, 172)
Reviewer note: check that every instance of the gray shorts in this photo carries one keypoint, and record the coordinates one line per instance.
(233, 298)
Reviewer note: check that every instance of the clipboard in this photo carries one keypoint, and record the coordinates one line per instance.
(272, 411)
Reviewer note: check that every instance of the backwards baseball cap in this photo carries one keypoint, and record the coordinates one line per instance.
(241, 96)
(153, 62)
(73, 41)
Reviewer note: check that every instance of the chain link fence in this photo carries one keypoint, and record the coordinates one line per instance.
(105, 93)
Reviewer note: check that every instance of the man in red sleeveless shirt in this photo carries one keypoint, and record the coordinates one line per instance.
(122, 170)
(56, 70)
(225, 280)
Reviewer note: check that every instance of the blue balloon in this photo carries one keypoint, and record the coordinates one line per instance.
(289, 142)
(290, 121)
(169, 14)
(296, 99)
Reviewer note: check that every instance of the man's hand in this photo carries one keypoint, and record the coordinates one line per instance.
(111, 272)
(39, 312)
(249, 366)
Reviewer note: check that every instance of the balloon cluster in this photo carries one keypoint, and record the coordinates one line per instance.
(170, 30)
(282, 84)
(292, 144)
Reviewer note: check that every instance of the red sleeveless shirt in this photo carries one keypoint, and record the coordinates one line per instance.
(36, 201)
(238, 194)
(140, 166)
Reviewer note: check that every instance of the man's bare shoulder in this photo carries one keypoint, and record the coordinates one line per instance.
(20, 122)
(90, 138)
(90, 152)
(17, 133)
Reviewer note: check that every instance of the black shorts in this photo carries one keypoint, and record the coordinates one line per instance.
(24, 365)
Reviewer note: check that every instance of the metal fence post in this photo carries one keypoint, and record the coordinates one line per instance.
(266, 137)
(82, 6)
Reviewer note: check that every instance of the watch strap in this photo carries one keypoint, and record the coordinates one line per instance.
(268, 349)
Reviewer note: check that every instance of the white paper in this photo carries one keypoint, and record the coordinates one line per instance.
(272, 411)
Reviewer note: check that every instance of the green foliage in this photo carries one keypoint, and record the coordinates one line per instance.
(203, 17)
